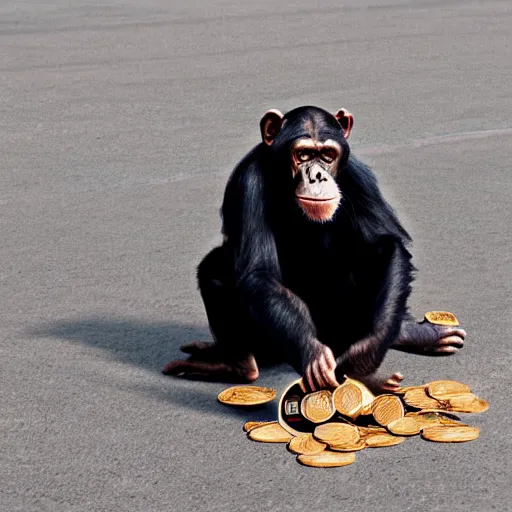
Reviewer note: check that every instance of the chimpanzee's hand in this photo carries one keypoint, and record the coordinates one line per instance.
(319, 367)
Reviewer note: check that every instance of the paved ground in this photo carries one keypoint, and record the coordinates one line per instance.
(121, 121)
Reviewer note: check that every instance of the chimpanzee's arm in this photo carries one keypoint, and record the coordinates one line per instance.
(281, 314)
(393, 289)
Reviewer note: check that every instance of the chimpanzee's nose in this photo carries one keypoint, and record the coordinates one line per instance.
(320, 177)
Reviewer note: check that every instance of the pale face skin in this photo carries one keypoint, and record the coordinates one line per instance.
(317, 161)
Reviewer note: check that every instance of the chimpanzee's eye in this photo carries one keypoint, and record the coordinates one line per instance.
(304, 155)
(328, 155)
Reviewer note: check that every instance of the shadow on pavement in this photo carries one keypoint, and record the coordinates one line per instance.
(151, 346)
(147, 345)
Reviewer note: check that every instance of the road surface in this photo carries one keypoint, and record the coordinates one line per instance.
(120, 123)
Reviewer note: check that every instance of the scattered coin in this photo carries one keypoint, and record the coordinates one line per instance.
(337, 433)
(270, 433)
(426, 419)
(406, 426)
(306, 444)
(445, 389)
(327, 459)
(402, 391)
(450, 434)
(318, 407)
(467, 403)
(441, 318)
(387, 408)
(370, 430)
(380, 439)
(367, 396)
(348, 447)
(348, 399)
(418, 398)
(249, 425)
(247, 395)
(444, 416)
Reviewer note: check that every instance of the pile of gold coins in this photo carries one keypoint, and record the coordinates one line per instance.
(326, 428)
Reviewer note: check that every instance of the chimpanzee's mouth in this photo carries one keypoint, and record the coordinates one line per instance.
(316, 199)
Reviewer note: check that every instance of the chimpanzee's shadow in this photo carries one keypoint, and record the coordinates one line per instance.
(143, 344)
(150, 346)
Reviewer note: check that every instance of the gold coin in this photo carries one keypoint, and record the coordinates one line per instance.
(337, 433)
(419, 398)
(348, 447)
(427, 419)
(247, 395)
(441, 318)
(387, 408)
(444, 389)
(442, 412)
(406, 426)
(380, 439)
(270, 433)
(249, 425)
(306, 444)
(367, 396)
(348, 399)
(327, 459)
(371, 430)
(402, 391)
(318, 407)
(467, 403)
(450, 434)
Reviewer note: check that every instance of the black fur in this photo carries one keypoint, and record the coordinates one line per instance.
(280, 281)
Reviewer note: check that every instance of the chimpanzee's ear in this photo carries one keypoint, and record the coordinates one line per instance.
(270, 125)
(346, 120)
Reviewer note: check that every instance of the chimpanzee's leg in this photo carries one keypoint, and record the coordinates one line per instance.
(230, 357)
(429, 339)
(417, 338)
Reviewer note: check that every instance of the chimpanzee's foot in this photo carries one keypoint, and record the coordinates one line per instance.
(245, 370)
(429, 339)
(379, 384)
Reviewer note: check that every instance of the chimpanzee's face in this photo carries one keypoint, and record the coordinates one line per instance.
(314, 166)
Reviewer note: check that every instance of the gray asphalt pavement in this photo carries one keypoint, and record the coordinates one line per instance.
(120, 123)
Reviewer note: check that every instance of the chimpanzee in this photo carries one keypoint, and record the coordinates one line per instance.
(314, 268)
